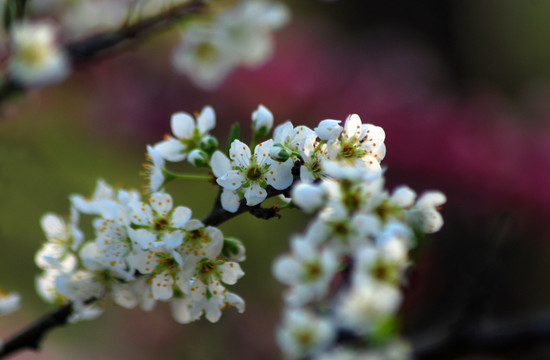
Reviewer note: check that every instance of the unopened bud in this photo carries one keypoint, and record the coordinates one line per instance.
(198, 158)
(209, 144)
(279, 153)
(262, 121)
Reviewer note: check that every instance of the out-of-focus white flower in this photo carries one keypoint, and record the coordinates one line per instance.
(366, 303)
(238, 35)
(36, 58)
(425, 212)
(403, 196)
(9, 303)
(188, 134)
(307, 270)
(308, 197)
(205, 55)
(303, 333)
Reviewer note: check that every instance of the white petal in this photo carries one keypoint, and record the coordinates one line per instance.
(162, 286)
(279, 174)
(308, 197)
(240, 153)
(230, 272)
(172, 239)
(261, 152)
(282, 132)
(235, 301)
(142, 213)
(220, 163)
(230, 200)
(232, 180)
(181, 310)
(352, 127)
(374, 133)
(161, 203)
(171, 149)
(182, 125)
(287, 270)
(255, 194)
(206, 120)
(180, 216)
(124, 296)
(328, 129)
(144, 238)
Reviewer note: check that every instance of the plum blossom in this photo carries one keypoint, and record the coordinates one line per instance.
(251, 173)
(188, 134)
(157, 224)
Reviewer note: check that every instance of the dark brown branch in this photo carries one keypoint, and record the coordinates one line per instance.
(218, 215)
(31, 337)
(88, 49)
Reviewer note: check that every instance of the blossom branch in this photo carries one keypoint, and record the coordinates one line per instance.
(31, 337)
(90, 48)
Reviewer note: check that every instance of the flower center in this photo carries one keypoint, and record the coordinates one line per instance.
(161, 224)
(254, 173)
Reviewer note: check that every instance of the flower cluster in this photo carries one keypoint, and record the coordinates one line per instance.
(141, 252)
(343, 273)
(210, 47)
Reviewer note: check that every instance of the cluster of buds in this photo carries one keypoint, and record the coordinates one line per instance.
(210, 48)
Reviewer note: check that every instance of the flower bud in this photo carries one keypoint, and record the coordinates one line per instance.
(262, 121)
(198, 158)
(233, 249)
(279, 153)
(209, 144)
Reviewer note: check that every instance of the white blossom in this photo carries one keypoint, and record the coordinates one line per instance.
(36, 58)
(251, 173)
(188, 134)
(303, 333)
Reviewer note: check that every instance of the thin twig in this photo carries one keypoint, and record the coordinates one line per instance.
(99, 45)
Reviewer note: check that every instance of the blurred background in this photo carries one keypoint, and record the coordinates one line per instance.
(462, 89)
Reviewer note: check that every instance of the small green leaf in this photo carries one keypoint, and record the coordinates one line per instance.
(233, 135)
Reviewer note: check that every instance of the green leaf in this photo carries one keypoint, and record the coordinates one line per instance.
(10, 14)
(233, 135)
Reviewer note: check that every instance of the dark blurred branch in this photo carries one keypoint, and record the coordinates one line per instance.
(31, 337)
(496, 339)
(93, 47)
